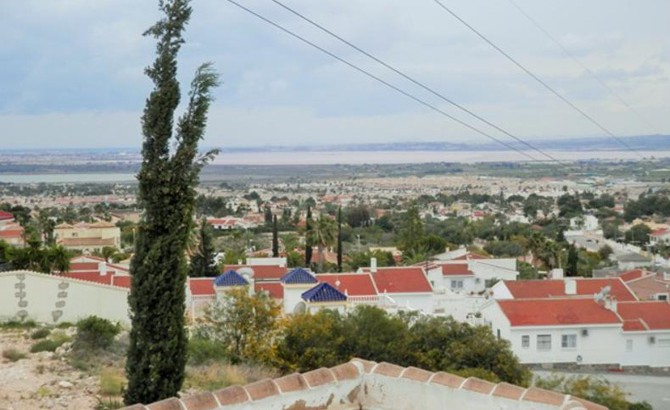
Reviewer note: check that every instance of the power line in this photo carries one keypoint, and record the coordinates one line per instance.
(416, 82)
(536, 78)
(583, 66)
(387, 84)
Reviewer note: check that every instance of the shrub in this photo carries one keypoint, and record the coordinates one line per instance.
(201, 351)
(13, 354)
(15, 324)
(45, 345)
(96, 332)
(112, 382)
(40, 333)
(108, 404)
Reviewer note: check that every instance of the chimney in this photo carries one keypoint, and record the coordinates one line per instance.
(102, 268)
(373, 265)
(570, 286)
(611, 304)
(556, 273)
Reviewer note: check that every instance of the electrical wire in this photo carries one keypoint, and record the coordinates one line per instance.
(536, 78)
(585, 68)
(386, 83)
(414, 81)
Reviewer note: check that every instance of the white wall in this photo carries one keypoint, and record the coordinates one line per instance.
(640, 351)
(415, 301)
(54, 299)
(292, 295)
(501, 291)
(503, 269)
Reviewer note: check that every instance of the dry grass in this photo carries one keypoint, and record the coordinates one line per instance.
(216, 376)
(13, 354)
(112, 381)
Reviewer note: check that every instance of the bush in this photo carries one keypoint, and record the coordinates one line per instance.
(45, 346)
(15, 324)
(40, 333)
(96, 332)
(201, 351)
(112, 382)
(13, 354)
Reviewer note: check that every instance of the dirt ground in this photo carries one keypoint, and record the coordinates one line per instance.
(42, 380)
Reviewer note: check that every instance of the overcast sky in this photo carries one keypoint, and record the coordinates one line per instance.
(71, 71)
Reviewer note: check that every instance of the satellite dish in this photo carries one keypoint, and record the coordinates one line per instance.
(246, 272)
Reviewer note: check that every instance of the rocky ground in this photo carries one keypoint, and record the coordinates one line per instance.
(42, 380)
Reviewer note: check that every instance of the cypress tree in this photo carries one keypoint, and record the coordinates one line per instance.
(308, 237)
(203, 262)
(275, 238)
(167, 179)
(339, 239)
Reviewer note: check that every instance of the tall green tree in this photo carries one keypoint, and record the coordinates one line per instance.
(571, 265)
(203, 262)
(308, 237)
(275, 237)
(411, 233)
(167, 179)
(324, 234)
(339, 239)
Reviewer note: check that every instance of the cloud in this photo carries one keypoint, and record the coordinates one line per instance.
(72, 72)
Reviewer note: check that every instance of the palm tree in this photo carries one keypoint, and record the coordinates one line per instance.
(58, 259)
(324, 233)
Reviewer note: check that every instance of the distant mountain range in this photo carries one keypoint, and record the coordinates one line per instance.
(640, 143)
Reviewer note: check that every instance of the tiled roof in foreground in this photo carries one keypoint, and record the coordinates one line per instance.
(369, 385)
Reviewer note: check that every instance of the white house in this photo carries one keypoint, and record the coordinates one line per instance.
(567, 330)
(660, 237)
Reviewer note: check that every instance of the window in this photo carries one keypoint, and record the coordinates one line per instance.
(543, 342)
(457, 284)
(661, 296)
(568, 341)
(525, 341)
(629, 345)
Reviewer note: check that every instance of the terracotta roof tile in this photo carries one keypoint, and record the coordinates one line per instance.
(319, 377)
(346, 371)
(554, 312)
(508, 391)
(447, 379)
(417, 374)
(456, 269)
(274, 289)
(200, 401)
(232, 395)
(656, 315)
(388, 369)
(478, 385)
(401, 280)
(201, 286)
(538, 395)
(262, 389)
(525, 289)
(353, 284)
(291, 382)
(167, 404)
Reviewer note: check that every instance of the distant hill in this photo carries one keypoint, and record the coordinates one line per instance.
(641, 143)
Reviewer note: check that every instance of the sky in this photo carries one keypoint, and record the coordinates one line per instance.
(71, 71)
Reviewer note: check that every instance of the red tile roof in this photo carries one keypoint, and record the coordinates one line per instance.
(121, 281)
(261, 273)
(456, 269)
(660, 232)
(401, 280)
(633, 326)
(648, 286)
(654, 315)
(470, 255)
(201, 286)
(353, 284)
(525, 289)
(5, 216)
(274, 289)
(556, 312)
(83, 266)
(89, 276)
(632, 275)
